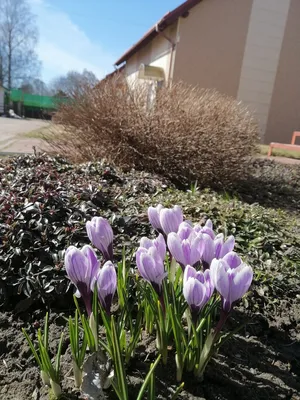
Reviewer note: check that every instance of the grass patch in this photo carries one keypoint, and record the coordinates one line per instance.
(40, 133)
(264, 148)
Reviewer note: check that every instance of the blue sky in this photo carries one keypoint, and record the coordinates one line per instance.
(91, 34)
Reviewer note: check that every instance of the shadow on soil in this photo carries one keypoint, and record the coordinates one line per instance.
(271, 184)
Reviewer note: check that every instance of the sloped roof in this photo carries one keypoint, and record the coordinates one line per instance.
(162, 24)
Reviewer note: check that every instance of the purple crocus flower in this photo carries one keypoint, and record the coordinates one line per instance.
(101, 235)
(82, 266)
(106, 280)
(151, 267)
(165, 220)
(185, 251)
(221, 247)
(197, 289)
(159, 243)
(215, 248)
(231, 281)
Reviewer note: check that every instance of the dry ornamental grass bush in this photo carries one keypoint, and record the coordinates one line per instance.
(185, 134)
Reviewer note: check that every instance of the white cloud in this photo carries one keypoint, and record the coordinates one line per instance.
(63, 46)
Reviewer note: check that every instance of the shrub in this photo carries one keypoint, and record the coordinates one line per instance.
(187, 134)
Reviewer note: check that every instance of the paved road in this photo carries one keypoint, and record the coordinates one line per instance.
(11, 131)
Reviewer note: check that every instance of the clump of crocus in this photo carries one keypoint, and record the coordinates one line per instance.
(185, 246)
(101, 235)
(231, 278)
(151, 266)
(106, 280)
(82, 266)
(197, 289)
(165, 220)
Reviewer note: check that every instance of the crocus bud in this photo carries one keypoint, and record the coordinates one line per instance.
(170, 219)
(208, 250)
(45, 378)
(186, 251)
(159, 243)
(197, 289)
(231, 283)
(81, 267)
(106, 285)
(151, 267)
(203, 277)
(154, 217)
(56, 389)
(101, 235)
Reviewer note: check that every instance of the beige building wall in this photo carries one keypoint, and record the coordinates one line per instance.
(284, 115)
(261, 58)
(212, 43)
(157, 53)
(248, 49)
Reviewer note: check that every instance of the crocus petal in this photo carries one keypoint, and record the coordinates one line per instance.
(227, 246)
(146, 243)
(175, 247)
(106, 284)
(219, 277)
(154, 216)
(240, 283)
(208, 283)
(209, 224)
(189, 272)
(139, 261)
(208, 231)
(170, 219)
(218, 242)
(77, 266)
(161, 246)
(89, 253)
(186, 249)
(232, 259)
(157, 273)
(208, 248)
(184, 230)
(196, 251)
(178, 214)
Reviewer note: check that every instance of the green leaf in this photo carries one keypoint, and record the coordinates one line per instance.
(119, 363)
(37, 358)
(177, 392)
(148, 378)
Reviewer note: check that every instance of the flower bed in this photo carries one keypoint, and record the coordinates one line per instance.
(266, 239)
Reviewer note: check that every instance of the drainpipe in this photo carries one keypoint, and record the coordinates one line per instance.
(173, 46)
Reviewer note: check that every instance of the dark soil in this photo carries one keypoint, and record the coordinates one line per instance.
(261, 362)
(270, 184)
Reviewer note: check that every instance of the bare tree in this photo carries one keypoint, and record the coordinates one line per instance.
(18, 38)
(35, 86)
(73, 83)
